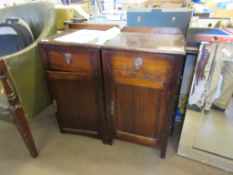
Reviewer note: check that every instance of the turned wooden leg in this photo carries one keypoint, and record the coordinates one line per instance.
(22, 125)
(18, 113)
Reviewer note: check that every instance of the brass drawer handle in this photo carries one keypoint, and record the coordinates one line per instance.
(68, 58)
(138, 63)
(173, 19)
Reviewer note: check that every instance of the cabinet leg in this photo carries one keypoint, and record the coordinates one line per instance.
(163, 152)
(59, 123)
(163, 148)
(107, 140)
(171, 131)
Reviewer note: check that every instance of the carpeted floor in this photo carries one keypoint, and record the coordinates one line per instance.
(66, 154)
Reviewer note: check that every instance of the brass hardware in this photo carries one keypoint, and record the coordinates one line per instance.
(138, 63)
(68, 58)
(139, 19)
(173, 19)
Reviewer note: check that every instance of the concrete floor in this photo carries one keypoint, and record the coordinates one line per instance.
(63, 154)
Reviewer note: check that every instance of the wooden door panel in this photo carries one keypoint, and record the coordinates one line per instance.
(137, 110)
(76, 109)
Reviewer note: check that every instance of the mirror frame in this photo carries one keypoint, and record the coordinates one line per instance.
(186, 149)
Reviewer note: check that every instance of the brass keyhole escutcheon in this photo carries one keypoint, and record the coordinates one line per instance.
(173, 19)
(138, 63)
(139, 18)
(68, 58)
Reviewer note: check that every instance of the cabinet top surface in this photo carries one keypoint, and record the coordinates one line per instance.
(158, 43)
(75, 41)
(154, 43)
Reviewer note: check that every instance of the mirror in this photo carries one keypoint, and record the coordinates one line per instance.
(207, 133)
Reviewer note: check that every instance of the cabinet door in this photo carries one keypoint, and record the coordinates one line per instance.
(138, 95)
(78, 91)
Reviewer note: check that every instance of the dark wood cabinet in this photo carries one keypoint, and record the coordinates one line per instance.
(125, 88)
(75, 82)
(141, 83)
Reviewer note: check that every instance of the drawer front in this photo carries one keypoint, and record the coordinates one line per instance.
(72, 59)
(140, 69)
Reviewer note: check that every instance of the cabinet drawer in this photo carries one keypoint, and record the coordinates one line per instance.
(140, 69)
(71, 59)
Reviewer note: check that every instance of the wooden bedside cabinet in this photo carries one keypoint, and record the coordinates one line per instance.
(125, 88)
(141, 77)
(75, 82)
